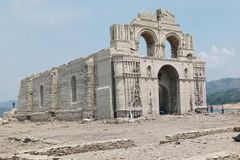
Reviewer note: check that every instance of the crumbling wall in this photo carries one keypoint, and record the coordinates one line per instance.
(104, 86)
(57, 92)
(43, 79)
(23, 96)
(78, 69)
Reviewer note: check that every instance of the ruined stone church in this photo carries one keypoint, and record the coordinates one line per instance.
(119, 81)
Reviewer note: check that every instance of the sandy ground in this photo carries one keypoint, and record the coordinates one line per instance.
(146, 134)
(232, 106)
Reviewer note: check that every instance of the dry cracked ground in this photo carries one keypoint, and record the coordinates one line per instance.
(164, 138)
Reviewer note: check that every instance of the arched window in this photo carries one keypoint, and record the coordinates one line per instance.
(189, 56)
(41, 96)
(172, 46)
(142, 47)
(167, 52)
(186, 73)
(74, 89)
(146, 44)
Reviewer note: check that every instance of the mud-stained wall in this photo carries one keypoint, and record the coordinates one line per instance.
(23, 96)
(119, 81)
(77, 69)
(57, 95)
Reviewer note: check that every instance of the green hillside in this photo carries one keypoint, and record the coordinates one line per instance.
(223, 91)
(224, 97)
(223, 85)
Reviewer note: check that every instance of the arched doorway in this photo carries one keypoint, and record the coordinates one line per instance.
(146, 44)
(168, 90)
(163, 99)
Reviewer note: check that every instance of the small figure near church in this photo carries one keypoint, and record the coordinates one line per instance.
(222, 109)
(211, 108)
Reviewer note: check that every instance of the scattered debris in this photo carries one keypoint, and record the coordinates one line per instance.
(237, 138)
(89, 147)
(236, 129)
(27, 158)
(9, 117)
(164, 141)
(217, 156)
(23, 140)
(12, 158)
(87, 120)
(177, 143)
(195, 134)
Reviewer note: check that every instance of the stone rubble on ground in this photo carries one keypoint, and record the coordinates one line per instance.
(195, 134)
(9, 117)
(217, 156)
(89, 147)
(237, 138)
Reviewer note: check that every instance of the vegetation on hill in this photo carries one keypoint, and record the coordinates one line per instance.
(223, 91)
(224, 97)
(223, 85)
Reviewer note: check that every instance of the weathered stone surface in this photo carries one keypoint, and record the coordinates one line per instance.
(89, 147)
(119, 81)
(195, 134)
(236, 129)
(13, 158)
(217, 156)
(237, 138)
(8, 117)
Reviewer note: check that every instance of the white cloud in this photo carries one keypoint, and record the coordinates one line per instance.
(41, 14)
(221, 63)
(217, 57)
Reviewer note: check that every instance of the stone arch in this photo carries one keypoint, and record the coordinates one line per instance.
(175, 41)
(41, 96)
(168, 79)
(74, 88)
(189, 56)
(150, 39)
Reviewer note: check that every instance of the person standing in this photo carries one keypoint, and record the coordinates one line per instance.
(208, 108)
(222, 109)
(211, 108)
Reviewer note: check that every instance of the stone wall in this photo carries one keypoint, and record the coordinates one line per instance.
(104, 87)
(57, 92)
(116, 81)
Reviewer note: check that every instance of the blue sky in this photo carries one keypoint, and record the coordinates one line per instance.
(36, 35)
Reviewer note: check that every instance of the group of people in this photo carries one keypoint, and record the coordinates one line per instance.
(210, 108)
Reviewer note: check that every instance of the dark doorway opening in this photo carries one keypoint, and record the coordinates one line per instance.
(168, 90)
(163, 100)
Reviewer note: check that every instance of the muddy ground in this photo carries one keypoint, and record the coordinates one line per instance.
(142, 140)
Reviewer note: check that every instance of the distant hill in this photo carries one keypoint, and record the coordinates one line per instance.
(223, 91)
(223, 85)
(224, 97)
(6, 106)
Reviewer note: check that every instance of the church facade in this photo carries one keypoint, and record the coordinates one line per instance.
(119, 81)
